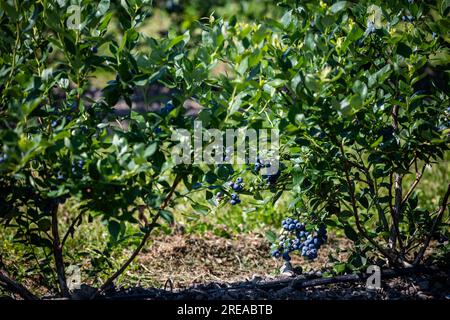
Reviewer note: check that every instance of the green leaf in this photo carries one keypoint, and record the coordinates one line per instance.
(102, 8)
(360, 88)
(271, 236)
(338, 6)
(166, 215)
(350, 233)
(339, 268)
(312, 83)
(114, 229)
(150, 150)
(286, 19)
(243, 66)
(105, 21)
(200, 208)
(377, 142)
(276, 83)
(363, 200)
(404, 50)
(184, 37)
(44, 224)
(236, 103)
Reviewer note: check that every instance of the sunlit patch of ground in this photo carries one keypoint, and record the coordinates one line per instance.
(186, 259)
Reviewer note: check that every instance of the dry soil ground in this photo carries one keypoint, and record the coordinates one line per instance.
(211, 267)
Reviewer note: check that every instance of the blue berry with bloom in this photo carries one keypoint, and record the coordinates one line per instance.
(276, 253)
(77, 166)
(237, 187)
(235, 199)
(158, 130)
(60, 175)
(167, 108)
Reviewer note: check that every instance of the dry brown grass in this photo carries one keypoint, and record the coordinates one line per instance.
(187, 259)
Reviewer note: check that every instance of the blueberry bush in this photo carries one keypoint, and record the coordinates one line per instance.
(358, 91)
(361, 96)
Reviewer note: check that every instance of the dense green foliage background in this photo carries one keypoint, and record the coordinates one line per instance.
(358, 90)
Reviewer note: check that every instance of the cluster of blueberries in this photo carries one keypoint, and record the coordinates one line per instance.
(77, 166)
(304, 241)
(260, 164)
(235, 199)
(167, 108)
(236, 186)
(271, 178)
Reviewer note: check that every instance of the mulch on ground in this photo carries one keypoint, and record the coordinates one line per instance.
(188, 266)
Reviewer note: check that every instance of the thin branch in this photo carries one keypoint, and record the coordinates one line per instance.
(58, 255)
(355, 208)
(395, 230)
(361, 167)
(71, 228)
(394, 114)
(414, 185)
(15, 287)
(373, 190)
(149, 229)
(410, 245)
(436, 221)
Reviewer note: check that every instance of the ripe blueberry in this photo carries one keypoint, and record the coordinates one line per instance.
(158, 130)
(276, 253)
(237, 187)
